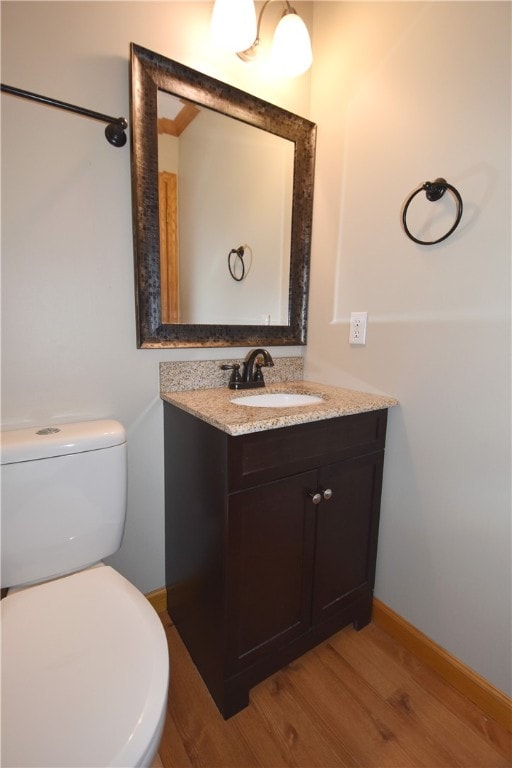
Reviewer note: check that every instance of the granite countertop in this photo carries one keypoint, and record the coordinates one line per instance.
(214, 406)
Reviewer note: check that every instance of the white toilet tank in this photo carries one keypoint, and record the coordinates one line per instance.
(63, 498)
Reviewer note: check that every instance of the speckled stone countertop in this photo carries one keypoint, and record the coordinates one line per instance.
(214, 406)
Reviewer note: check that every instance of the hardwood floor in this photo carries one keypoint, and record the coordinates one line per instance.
(359, 699)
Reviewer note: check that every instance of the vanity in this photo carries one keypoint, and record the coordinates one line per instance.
(272, 519)
(271, 513)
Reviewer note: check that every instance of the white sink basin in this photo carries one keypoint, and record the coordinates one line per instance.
(277, 400)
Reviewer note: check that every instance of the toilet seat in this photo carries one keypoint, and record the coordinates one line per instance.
(84, 673)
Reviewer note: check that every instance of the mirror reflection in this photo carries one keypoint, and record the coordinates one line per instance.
(225, 205)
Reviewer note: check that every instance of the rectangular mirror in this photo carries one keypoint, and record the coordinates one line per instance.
(222, 186)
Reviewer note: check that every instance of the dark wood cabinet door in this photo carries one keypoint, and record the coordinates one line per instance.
(346, 535)
(269, 567)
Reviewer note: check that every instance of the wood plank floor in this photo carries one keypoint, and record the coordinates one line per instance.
(359, 699)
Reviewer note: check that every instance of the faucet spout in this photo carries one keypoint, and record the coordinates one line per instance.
(252, 374)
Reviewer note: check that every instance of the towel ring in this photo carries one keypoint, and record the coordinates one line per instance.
(434, 191)
(236, 257)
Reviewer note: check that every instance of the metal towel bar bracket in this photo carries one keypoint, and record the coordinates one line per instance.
(114, 132)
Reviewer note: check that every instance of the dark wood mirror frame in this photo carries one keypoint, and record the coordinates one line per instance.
(151, 72)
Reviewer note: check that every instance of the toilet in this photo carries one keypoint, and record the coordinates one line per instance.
(85, 664)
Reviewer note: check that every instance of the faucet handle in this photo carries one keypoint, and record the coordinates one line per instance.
(235, 377)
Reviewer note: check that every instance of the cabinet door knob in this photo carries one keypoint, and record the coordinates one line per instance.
(328, 494)
(315, 496)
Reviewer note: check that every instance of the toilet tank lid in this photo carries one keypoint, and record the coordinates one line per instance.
(45, 442)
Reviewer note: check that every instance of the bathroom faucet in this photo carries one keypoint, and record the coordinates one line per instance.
(252, 375)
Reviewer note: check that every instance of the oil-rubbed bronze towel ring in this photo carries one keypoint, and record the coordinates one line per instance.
(434, 191)
(238, 269)
(236, 258)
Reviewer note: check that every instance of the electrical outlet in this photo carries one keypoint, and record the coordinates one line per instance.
(357, 332)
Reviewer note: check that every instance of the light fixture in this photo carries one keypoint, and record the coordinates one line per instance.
(233, 24)
(291, 46)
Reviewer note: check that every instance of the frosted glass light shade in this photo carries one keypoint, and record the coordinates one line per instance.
(234, 24)
(291, 47)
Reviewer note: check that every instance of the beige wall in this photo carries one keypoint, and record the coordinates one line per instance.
(68, 312)
(401, 93)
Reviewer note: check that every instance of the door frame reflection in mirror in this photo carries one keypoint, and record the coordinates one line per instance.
(169, 263)
(149, 73)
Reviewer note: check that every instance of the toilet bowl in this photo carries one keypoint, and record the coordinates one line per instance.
(85, 664)
(84, 674)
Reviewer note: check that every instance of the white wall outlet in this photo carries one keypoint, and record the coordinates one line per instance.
(357, 332)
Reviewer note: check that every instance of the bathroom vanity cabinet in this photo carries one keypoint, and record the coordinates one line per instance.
(271, 541)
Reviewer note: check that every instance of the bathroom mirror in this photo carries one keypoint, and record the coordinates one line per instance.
(221, 207)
